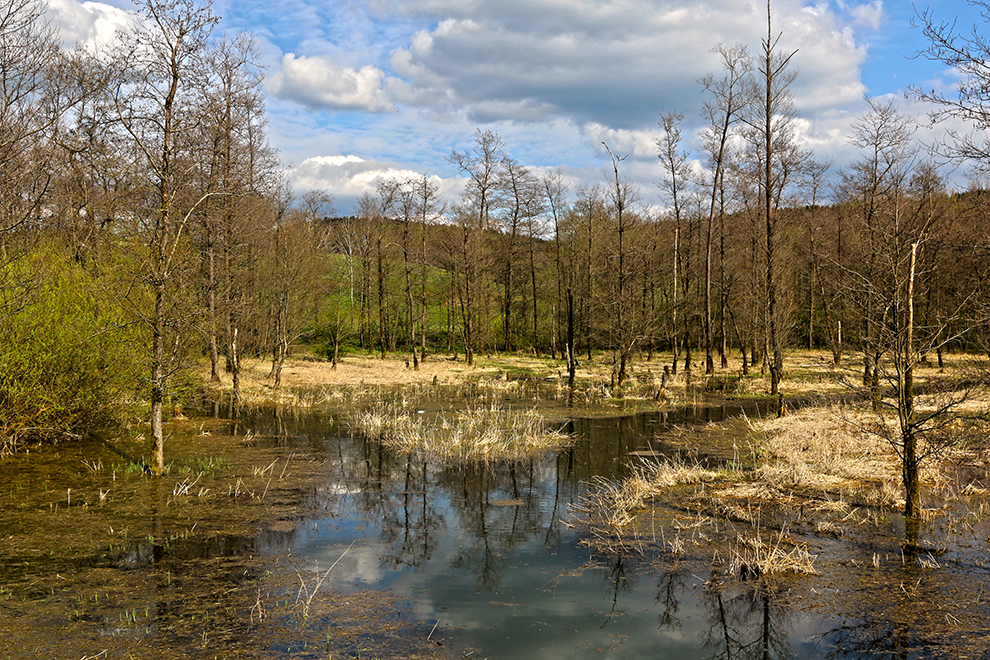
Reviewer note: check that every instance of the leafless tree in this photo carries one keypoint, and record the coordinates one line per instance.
(969, 55)
(483, 166)
(771, 122)
(900, 223)
(729, 96)
(622, 196)
(163, 71)
(673, 185)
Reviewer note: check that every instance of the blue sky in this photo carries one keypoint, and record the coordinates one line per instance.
(365, 89)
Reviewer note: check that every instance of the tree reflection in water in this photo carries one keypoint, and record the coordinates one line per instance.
(483, 551)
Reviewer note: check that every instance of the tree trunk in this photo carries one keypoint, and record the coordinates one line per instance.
(912, 485)
(158, 381)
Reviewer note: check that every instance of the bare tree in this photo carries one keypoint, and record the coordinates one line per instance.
(969, 55)
(163, 67)
(899, 223)
(555, 191)
(483, 166)
(584, 223)
(771, 122)
(519, 192)
(416, 205)
(429, 208)
(673, 185)
(729, 97)
(231, 171)
(377, 212)
(31, 104)
(622, 195)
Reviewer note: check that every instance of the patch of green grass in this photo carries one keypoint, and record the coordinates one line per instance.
(201, 465)
(130, 468)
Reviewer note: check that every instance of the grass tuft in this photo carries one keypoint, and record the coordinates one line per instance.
(473, 435)
(755, 556)
(609, 506)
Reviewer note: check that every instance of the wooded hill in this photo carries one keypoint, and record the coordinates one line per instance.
(831, 265)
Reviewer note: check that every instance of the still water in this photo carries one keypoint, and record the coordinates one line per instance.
(100, 561)
(486, 556)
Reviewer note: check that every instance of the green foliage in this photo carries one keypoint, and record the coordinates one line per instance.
(69, 360)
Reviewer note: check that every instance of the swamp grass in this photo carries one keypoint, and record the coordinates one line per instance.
(814, 473)
(479, 434)
(311, 382)
(807, 514)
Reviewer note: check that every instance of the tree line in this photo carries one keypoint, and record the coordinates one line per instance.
(147, 224)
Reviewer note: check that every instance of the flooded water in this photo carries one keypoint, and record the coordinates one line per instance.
(421, 560)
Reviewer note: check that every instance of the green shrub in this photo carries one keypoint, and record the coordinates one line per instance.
(69, 359)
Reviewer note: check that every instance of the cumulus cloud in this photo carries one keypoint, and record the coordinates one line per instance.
(348, 177)
(93, 25)
(319, 83)
(609, 62)
(869, 15)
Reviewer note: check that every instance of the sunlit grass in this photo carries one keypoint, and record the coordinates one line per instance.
(610, 505)
(473, 435)
(774, 554)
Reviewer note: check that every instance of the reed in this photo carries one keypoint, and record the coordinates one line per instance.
(777, 555)
(825, 450)
(482, 434)
(610, 505)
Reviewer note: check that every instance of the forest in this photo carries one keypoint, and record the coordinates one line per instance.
(149, 227)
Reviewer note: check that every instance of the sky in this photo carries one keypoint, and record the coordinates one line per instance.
(361, 90)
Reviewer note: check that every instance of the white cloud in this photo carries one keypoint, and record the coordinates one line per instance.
(348, 177)
(612, 62)
(319, 83)
(554, 77)
(640, 144)
(869, 15)
(93, 25)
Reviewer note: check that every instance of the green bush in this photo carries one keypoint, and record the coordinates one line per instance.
(69, 359)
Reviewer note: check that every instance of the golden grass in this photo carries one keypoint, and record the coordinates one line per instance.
(824, 449)
(474, 435)
(611, 505)
(775, 555)
(309, 380)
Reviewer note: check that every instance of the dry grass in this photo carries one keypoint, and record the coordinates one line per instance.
(825, 450)
(609, 506)
(776, 555)
(473, 435)
(816, 468)
(310, 381)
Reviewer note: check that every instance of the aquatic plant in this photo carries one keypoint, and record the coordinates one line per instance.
(610, 505)
(753, 556)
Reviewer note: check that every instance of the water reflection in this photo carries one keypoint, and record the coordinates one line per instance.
(484, 553)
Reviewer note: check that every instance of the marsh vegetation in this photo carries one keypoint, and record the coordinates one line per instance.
(703, 529)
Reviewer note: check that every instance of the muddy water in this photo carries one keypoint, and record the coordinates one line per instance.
(224, 557)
